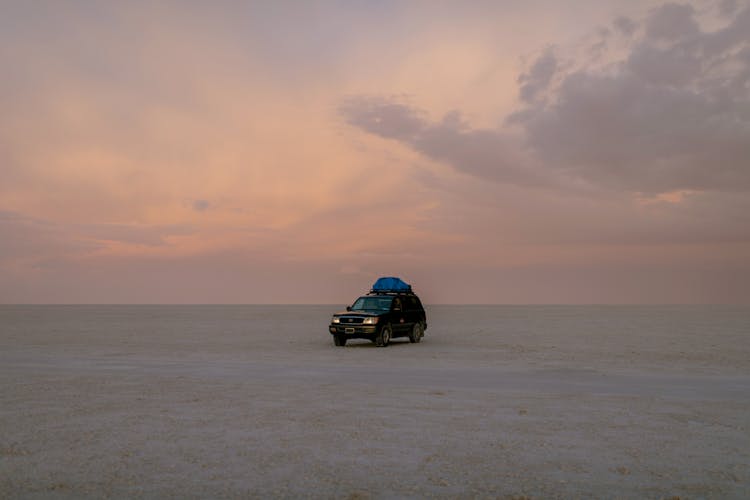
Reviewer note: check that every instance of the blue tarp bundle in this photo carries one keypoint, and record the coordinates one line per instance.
(390, 284)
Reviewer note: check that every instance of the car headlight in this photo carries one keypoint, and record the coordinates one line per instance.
(370, 321)
(336, 319)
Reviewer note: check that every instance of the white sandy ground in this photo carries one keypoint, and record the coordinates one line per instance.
(257, 402)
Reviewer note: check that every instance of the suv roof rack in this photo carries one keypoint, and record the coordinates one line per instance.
(390, 292)
(390, 284)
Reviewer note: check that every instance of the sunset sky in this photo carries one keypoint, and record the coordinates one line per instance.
(592, 151)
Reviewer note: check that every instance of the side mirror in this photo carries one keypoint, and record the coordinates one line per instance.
(348, 308)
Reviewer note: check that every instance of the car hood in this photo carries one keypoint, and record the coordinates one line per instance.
(356, 313)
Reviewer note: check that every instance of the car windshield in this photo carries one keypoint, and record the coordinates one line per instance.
(372, 304)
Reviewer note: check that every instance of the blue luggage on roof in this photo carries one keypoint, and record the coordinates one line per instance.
(390, 284)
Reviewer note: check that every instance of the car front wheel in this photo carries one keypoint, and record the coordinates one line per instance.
(339, 340)
(384, 337)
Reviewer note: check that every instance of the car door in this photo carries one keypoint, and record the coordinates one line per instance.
(398, 321)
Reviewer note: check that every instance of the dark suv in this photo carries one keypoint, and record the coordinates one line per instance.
(390, 310)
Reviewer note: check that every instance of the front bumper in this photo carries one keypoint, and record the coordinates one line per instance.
(352, 329)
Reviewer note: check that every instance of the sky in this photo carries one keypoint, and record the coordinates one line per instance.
(519, 152)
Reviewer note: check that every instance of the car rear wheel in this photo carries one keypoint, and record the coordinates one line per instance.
(339, 340)
(384, 337)
(416, 333)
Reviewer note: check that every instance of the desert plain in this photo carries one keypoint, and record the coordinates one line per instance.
(256, 402)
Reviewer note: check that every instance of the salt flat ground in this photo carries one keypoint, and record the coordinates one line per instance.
(255, 401)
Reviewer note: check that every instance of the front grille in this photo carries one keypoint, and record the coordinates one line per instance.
(348, 320)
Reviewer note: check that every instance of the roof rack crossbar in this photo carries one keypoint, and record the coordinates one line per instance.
(391, 292)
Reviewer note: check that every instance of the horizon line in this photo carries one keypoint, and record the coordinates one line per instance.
(337, 304)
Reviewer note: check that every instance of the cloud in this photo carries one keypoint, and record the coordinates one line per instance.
(538, 77)
(385, 117)
(671, 22)
(33, 241)
(674, 114)
(670, 113)
(28, 239)
(204, 150)
(625, 25)
(201, 205)
(133, 234)
(484, 153)
(728, 7)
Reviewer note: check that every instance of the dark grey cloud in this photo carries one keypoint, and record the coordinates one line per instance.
(201, 205)
(672, 21)
(624, 25)
(385, 117)
(628, 132)
(538, 77)
(672, 113)
(485, 153)
(665, 67)
(728, 7)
